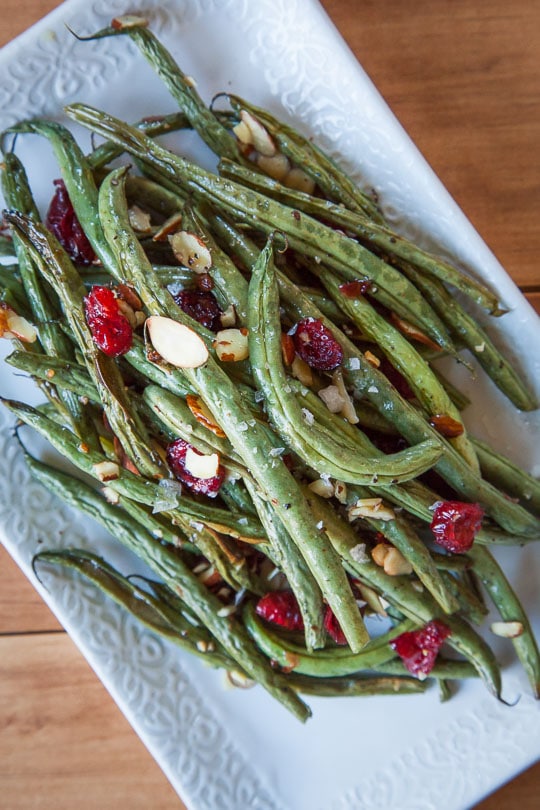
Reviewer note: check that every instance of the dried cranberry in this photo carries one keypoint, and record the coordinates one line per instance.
(176, 456)
(63, 223)
(111, 330)
(455, 525)
(333, 627)
(202, 306)
(355, 289)
(280, 607)
(316, 345)
(418, 649)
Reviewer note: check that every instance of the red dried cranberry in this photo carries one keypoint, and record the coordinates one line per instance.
(280, 607)
(176, 456)
(455, 525)
(333, 627)
(111, 330)
(355, 289)
(63, 223)
(316, 345)
(418, 649)
(397, 379)
(202, 306)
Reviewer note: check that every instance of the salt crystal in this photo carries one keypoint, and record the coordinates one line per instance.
(243, 426)
(277, 451)
(373, 390)
(354, 363)
(358, 553)
(308, 416)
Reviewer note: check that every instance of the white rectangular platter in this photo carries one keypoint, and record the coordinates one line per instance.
(227, 749)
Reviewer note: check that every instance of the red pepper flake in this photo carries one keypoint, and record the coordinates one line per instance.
(333, 627)
(418, 649)
(455, 525)
(356, 289)
(412, 332)
(281, 608)
(446, 426)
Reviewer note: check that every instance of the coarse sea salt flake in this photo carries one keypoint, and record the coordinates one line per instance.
(243, 426)
(277, 451)
(354, 363)
(308, 416)
(373, 389)
(320, 524)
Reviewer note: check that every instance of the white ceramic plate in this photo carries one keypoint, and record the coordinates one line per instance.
(233, 749)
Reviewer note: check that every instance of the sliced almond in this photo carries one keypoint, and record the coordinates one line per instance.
(228, 318)
(203, 415)
(200, 465)
(106, 470)
(395, 564)
(257, 135)
(348, 411)
(139, 219)
(171, 225)
(331, 398)
(14, 326)
(231, 345)
(175, 343)
(370, 508)
(322, 487)
(507, 629)
(298, 180)
(277, 166)
(191, 251)
(379, 553)
(302, 371)
(239, 680)
(372, 598)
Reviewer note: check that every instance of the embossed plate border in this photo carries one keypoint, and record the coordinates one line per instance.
(287, 55)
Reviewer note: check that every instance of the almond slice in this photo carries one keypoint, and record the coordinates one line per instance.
(322, 487)
(139, 219)
(175, 343)
(200, 465)
(507, 629)
(298, 180)
(170, 225)
(203, 415)
(231, 345)
(106, 471)
(14, 326)
(395, 563)
(302, 371)
(277, 166)
(191, 251)
(332, 398)
(128, 21)
(251, 131)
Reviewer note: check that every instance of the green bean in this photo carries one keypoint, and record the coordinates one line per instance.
(153, 127)
(307, 234)
(510, 478)
(328, 455)
(168, 565)
(405, 358)
(144, 607)
(444, 669)
(471, 607)
(67, 375)
(367, 381)
(181, 87)
(355, 686)
(321, 663)
(307, 156)
(376, 234)
(511, 610)
(468, 330)
(60, 273)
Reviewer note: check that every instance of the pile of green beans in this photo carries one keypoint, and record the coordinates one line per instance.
(278, 255)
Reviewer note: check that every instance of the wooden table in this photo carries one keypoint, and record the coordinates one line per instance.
(463, 78)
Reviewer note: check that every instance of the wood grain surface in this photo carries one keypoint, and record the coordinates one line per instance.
(463, 78)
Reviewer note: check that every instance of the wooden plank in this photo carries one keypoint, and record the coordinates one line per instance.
(534, 299)
(463, 79)
(63, 741)
(22, 610)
